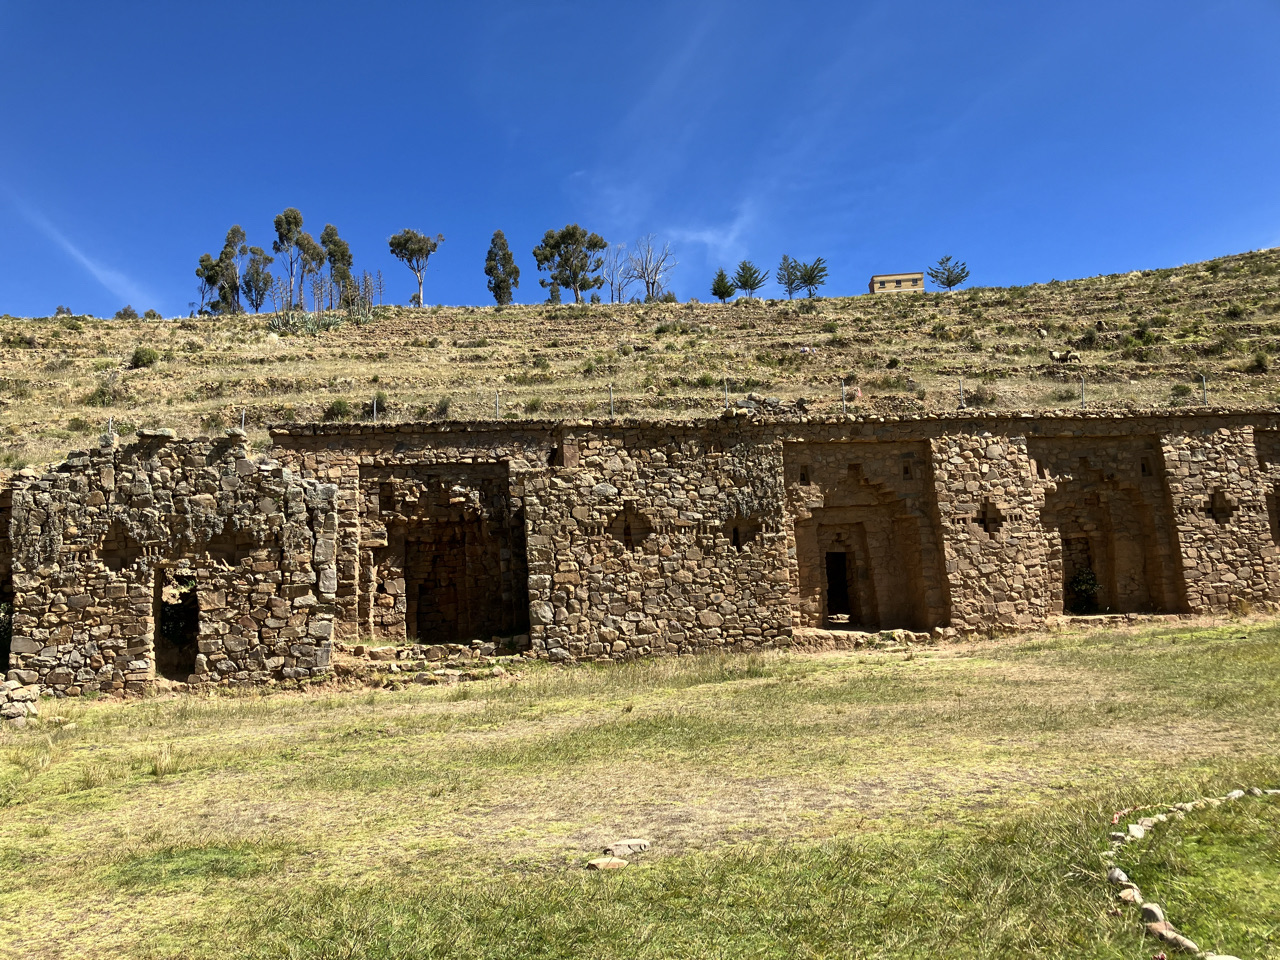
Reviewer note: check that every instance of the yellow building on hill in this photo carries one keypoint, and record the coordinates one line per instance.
(897, 283)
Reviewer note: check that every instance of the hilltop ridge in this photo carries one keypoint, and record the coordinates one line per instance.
(1143, 340)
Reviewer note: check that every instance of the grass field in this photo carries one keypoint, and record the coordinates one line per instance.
(942, 803)
(62, 378)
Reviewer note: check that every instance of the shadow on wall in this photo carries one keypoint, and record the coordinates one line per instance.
(6, 635)
(1110, 521)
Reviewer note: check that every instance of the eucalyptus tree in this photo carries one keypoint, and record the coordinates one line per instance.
(414, 250)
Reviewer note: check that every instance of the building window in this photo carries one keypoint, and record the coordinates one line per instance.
(914, 281)
(882, 283)
(897, 283)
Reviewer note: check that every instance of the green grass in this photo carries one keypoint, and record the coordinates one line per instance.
(1217, 876)
(943, 803)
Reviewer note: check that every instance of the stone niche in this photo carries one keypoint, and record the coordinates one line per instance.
(1108, 515)
(866, 536)
(442, 554)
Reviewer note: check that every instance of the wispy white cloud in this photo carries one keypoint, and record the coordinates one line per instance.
(724, 242)
(113, 280)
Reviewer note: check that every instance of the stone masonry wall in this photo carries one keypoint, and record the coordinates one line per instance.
(997, 555)
(657, 540)
(106, 539)
(194, 562)
(1220, 507)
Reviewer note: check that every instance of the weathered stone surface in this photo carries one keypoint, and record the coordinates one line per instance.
(627, 848)
(577, 540)
(606, 863)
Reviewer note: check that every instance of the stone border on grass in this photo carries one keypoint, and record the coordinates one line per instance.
(1153, 918)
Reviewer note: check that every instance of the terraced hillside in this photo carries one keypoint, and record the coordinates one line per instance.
(1143, 339)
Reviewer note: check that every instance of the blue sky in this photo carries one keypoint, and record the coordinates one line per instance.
(1034, 141)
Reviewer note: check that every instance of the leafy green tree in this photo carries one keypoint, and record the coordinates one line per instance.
(553, 293)
(572, 256)
(220, 278)
(948, 274)
(500, 267)
(207, 272)
(234, 249)
(788, 276)
(338, 253)
(811, 275)
(256, 282)
(749, 278)
(722, 286)
(126, 313)
(414, 249)
(288, 228)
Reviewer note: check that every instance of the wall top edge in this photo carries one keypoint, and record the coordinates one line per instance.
(754, 419)
(233, 445)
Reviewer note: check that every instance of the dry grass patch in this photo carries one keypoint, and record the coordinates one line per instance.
(1161, 329)
(428, 821)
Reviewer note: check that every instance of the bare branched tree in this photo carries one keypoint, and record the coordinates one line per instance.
(280, 294)
(615, 272)
(651, 265)
(318, 287)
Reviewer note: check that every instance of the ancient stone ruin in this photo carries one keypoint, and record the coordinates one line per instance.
(192, 560)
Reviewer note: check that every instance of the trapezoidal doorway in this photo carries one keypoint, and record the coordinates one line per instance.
(867, 546)
(442, 555)
(873, 576)
(460, 577)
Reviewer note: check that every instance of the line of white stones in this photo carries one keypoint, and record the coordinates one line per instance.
(1152, 913)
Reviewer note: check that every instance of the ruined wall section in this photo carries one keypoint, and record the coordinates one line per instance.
(1219, 497)
(1109, 517)
(411, 492)
(662, 539)
(996, 554)
(104, 541)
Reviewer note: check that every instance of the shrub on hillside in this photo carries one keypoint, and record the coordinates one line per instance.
(339, 409)
(143, 357)
(126, 313)
(103, 395)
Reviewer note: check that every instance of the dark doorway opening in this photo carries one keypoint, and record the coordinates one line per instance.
(839, 608)
(6, 621)
(1080, 585)
(6, 635)
(177, 629)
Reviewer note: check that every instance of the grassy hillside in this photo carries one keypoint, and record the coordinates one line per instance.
(1144, 339)
(939, 803)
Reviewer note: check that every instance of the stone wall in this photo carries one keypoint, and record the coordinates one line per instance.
(657, 540)
(194, 562)
(181, 560)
